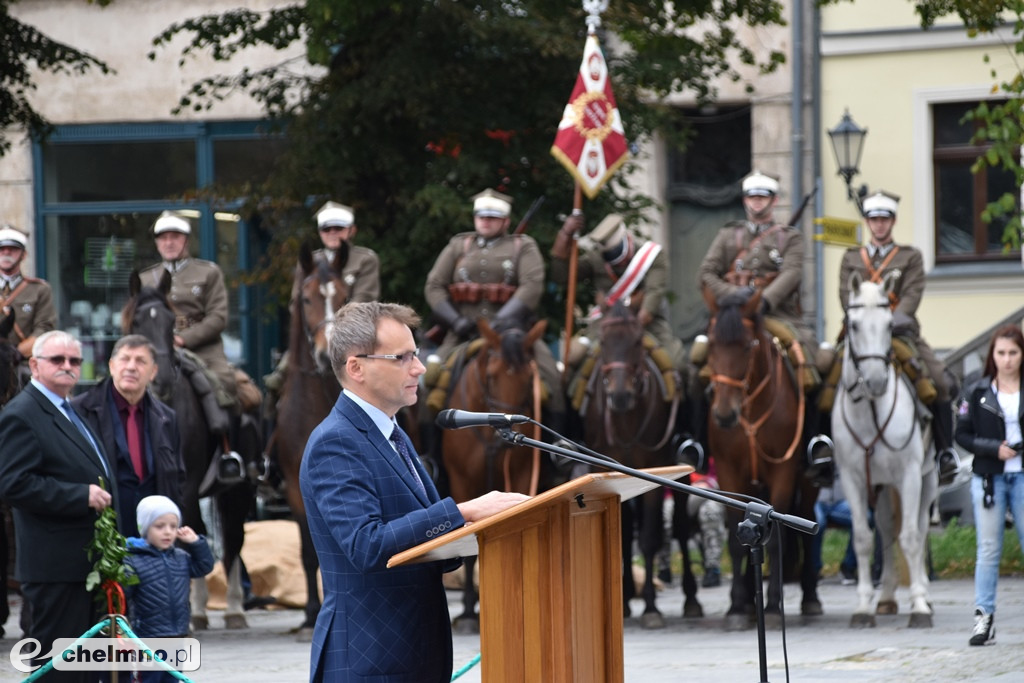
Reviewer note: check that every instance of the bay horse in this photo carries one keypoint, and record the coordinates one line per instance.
(10, 385)
(149, 312)
(625, 416)
(310, 391)
(755, 429)
(882, 454)
(501, 376)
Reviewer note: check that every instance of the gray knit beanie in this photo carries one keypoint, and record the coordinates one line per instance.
(152, 507)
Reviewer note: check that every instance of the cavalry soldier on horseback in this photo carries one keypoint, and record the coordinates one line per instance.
(491, 274)
(760, 253)
(30, 298)
(880, 257)
(336, 225)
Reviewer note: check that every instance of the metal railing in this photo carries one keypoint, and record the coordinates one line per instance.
(971, 356)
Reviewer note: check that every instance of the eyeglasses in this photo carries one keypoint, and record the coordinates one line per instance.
(335, 228)
(60, 360)
(403, 358)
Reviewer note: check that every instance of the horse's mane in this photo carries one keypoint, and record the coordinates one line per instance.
(145, 296)
(729, 321)
(619, 324)
(512, 351)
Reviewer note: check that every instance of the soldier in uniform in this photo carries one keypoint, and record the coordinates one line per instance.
(878, 259)
(607, 253)
(761, 253)
(335, 224)
(30, 298)
(491, 274)
(198, 295)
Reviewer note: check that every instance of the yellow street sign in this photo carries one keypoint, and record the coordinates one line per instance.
(839, 231)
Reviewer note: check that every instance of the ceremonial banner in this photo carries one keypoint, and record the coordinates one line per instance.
(591, 142)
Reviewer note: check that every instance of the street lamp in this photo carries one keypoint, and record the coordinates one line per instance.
(847, 140)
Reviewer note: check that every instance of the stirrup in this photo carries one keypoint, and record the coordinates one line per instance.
(949, 465)
(820, 468)
(690, 452)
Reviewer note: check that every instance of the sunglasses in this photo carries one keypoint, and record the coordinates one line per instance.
(75, 361)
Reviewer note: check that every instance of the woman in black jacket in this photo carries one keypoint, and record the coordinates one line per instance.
(989, 425)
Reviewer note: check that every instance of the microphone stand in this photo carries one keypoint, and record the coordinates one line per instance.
(752, 532)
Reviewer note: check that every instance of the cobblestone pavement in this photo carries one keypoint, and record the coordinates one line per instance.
(819, 649)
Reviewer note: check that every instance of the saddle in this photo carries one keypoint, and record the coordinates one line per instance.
(668, 379)
(907, 361)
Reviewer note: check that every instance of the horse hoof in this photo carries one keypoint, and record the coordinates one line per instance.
(235, 622)
(773, 621)
(692, 610)
(737, 622)
(200, 623)
(811, 608)
(651, 621)
(887, 607)
(920, 620)
(466, 626)
(304, 634)
(861, 620)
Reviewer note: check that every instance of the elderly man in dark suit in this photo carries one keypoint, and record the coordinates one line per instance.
(54, 474)
(368, 498)
(139, 433)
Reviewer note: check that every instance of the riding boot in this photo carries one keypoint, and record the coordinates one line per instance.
(942, 433)
(820, 449)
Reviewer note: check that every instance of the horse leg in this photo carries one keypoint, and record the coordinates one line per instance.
(741, 605)
(233, 506)
(468, 623)
(913, 537)
(199, 596)
(810, 603)
(681, 520)
(885, 523)
(651, 540)
(310, 565)
(628, 584)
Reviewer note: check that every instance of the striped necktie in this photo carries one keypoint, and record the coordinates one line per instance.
(400, 442)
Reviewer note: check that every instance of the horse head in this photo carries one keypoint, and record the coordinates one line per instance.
(623, 370)
(507, 367)
(322, 290)
(735, 338)
(149, 312)
(868, 335)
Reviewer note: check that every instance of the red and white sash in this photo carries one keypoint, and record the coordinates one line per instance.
(632, 277)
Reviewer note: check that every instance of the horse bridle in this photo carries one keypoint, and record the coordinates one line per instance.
(752, 427)
(327, 291)
(857, 358)
(171, 352)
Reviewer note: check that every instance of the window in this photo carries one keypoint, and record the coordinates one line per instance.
(960, 195)
(99, 191)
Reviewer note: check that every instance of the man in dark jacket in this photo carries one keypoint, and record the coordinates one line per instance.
(139, 433)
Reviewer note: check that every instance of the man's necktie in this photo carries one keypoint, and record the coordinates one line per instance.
(398, 438)
(77, 421)
(131, 429)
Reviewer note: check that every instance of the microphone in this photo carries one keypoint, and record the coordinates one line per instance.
(458, 419)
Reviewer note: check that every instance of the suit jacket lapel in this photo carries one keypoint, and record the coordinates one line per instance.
(65, 426)
(362, 421)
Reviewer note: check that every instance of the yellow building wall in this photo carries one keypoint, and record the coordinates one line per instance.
(882, 92)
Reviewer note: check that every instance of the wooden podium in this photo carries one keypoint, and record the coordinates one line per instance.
(550, 580)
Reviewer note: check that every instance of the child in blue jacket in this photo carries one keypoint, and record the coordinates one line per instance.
(158, 606)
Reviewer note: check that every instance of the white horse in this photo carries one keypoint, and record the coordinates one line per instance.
(881, 453)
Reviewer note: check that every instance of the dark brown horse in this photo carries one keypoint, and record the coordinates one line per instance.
(625, 416)
(149, 312)
(754, 432)
(10, 384)
(309, 392)
(500, 377)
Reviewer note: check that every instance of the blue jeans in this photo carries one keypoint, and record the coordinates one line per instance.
(989, 524)
(838, 514)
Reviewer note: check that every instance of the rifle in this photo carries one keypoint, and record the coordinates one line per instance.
(436, 333)
(795, 218)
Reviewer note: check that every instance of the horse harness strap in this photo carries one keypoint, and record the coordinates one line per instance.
(875, 274)
(741, 276)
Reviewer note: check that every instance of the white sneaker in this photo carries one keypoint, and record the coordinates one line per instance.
(984, 632)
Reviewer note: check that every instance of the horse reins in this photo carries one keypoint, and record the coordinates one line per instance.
(609, 432)
(751, 427)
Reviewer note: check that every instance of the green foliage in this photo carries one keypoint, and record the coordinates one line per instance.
(25, 47)
(108, 551)
(419, 105)
(954, 549)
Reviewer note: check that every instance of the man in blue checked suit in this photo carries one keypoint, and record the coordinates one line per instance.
(367, 498)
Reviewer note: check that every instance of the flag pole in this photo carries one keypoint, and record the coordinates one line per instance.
(570, 296)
